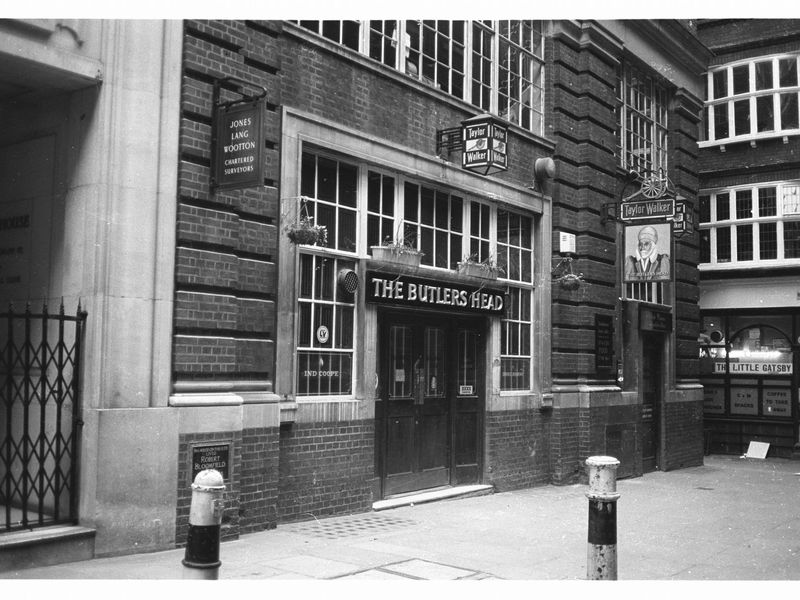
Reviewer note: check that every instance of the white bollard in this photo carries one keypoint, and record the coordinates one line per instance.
(603, 496)
(201, 560)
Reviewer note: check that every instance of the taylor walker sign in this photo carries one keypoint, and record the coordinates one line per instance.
(238, 149)
(647, 209)
(383, 288)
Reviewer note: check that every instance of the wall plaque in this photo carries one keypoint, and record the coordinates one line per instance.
(211, 457)
(603, 343)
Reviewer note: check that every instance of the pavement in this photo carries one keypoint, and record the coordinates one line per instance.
(732, 519)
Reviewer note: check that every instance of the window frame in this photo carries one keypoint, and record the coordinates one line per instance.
(783, 208)
(732, 100)
(649, 123)
(528, 104)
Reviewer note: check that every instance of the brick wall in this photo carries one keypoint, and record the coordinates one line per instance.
(581, 100)
(517, 449)
(684, 434)
(258, 481)
(325, 469)
(225, 276)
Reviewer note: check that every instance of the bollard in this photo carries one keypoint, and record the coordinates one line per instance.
(603, 496)
(201, 560)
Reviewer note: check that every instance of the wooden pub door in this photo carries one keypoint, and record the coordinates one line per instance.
(432, 394)
(652, 378)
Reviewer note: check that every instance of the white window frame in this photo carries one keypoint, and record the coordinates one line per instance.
(786, 193)
(531, 59)
(727, 102)
(651, 124)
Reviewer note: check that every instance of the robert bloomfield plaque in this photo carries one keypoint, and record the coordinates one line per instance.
(211, 457)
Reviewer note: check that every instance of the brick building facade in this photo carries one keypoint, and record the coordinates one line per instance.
(323, 378)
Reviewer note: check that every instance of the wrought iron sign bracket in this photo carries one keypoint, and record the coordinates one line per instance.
(606, 213)
(238, 88)
(449, 140)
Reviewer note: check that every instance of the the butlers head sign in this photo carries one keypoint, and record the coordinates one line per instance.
(400, 290)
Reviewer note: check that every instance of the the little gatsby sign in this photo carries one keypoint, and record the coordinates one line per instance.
(411, 291)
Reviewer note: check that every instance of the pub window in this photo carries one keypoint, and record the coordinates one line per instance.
(479, 227)
(380, 209)
(497, 66)
(329, 188)
(515, 258)
(433, 224)
(325, 328)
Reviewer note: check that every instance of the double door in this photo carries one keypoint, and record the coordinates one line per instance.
(431, 402)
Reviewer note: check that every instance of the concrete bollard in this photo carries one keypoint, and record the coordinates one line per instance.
(603, 496)
(201, 560)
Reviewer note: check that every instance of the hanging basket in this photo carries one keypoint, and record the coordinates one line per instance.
(570, 281)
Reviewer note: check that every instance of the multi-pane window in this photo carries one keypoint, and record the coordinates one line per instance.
(345, 195)
(520, 73)
(515, 258)
(435, 53)
(494, 65)
(328, 187)
(345, 33)
(641, 121)
(433, 224)
(479, 232)
(750, 225)
(325, 328)
(753, 99)
(380, 208)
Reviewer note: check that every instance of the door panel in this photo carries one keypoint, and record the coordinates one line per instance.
(651, 397)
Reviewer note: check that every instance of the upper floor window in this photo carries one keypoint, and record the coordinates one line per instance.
(753, 99)
(495, 65)
(641, 121)
(750, 225)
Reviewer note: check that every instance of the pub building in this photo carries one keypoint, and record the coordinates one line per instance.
(393, 262)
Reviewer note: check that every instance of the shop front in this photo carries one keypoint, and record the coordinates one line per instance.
(749, 375)
(410, 325)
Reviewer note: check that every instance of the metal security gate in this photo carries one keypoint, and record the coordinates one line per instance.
(39, 417)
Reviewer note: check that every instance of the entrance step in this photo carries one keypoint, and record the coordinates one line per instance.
(459, 491)
(45, 546)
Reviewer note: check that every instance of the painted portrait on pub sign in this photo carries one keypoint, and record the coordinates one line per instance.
(647, 250)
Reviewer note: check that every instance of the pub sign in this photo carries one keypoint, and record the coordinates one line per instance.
(238, 148)
(400, 290)
(485, 145)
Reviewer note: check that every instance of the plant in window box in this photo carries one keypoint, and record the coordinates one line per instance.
(486, 268)
(398, 250)
(304, 231)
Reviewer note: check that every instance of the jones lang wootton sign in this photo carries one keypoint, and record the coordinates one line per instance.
(238, 157)
(385, 288)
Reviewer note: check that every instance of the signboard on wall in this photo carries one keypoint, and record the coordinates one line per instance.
(485, 142)
(603, 343)
(777, 402)
(651, 319)
(714, 400)
(647, 250)
(744, 401)
(237, 160)
(215, 457)
(15, 244)
(400, 290)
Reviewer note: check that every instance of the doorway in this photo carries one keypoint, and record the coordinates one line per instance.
(431, 401)
(652, 377)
